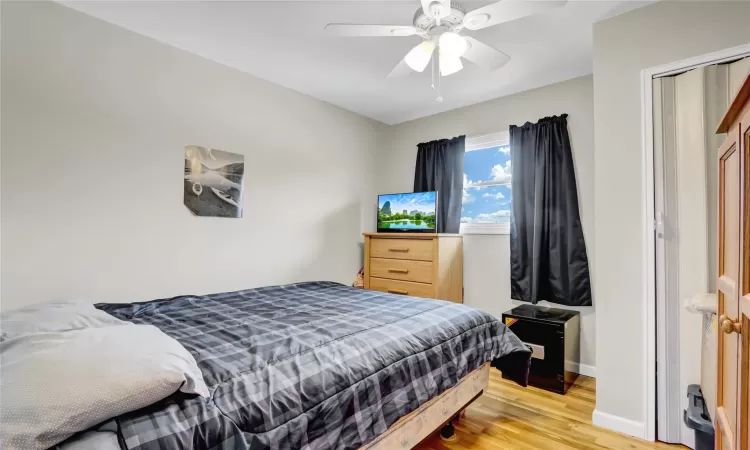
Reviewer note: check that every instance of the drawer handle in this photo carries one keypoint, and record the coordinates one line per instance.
(398, 291)
(398, 270)
(399, 249)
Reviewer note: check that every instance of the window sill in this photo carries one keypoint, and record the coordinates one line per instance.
(484, 228)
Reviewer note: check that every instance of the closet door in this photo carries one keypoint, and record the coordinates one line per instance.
(727, 403)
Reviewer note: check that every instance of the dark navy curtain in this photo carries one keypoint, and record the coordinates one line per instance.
(547, 251)
(440, 167)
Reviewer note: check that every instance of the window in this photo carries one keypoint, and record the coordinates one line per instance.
(486, 197)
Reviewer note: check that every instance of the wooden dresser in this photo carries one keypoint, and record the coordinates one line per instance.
(419, 264)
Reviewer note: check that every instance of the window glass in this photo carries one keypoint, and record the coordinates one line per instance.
(487, 186)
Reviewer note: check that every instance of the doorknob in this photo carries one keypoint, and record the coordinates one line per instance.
(729, 326)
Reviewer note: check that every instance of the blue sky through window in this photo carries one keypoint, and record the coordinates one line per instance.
(487, 204)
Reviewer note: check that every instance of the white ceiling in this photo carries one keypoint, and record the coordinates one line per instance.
(283, 42)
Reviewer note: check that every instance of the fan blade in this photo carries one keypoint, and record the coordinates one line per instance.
(349, 29)
(484, 56)
(401, 70)
(505, 11)
(449, 64)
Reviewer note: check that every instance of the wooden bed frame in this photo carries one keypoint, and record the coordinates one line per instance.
(411, 429)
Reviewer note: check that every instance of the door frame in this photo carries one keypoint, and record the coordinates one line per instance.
(649, 312)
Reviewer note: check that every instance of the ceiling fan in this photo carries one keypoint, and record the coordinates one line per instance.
(439, 24)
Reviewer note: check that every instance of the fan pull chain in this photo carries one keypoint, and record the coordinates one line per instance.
(439, 98)
(432, 72)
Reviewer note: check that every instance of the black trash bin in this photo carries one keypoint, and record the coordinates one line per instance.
(697, 418)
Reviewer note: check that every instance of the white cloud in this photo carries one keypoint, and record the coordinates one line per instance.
(504, 149)
(466, 219)
(501, 173)
(493, 217)
(498, 196)
(467, 182)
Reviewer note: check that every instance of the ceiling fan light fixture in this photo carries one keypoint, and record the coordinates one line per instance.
(419, 56)
(452, 45)
(449, 64)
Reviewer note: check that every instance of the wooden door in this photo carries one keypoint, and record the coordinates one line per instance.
(728, 288)
(742, 325)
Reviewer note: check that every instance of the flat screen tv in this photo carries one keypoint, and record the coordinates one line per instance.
(415, 212)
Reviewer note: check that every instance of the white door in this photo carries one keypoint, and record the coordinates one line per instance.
(684, 238)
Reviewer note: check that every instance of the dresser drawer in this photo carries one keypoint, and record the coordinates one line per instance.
(414, 249)
(401, 269)
(401, 287)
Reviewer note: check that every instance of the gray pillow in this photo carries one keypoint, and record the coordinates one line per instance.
(55, 384)
(53, 316)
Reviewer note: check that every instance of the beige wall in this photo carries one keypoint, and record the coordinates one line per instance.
(487, 258)
(95, 121)
(658, 34)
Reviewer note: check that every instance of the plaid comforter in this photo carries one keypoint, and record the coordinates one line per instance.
(311, 365)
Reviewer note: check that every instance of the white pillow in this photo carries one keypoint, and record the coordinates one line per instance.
(53, 316)
(56, 384)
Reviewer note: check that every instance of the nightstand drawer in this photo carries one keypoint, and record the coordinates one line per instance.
(554, 338)
(548, 351)
(402, 287)
(414, 249)
(401, 269)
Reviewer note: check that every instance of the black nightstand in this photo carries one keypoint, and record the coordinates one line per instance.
(554, 337)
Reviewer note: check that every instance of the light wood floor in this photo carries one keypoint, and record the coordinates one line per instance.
(508, 416)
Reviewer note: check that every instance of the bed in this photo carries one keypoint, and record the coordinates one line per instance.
(318, 365)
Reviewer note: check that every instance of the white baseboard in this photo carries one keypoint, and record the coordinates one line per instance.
(585, 369)
(619, 424)
(581, 369)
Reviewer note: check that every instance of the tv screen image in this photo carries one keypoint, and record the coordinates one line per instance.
(407, 212)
